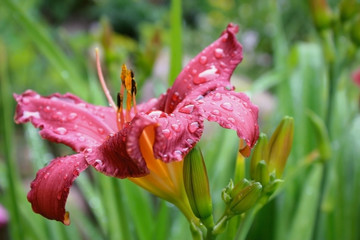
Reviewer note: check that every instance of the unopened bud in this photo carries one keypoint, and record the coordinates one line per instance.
(246, 198)
(321, 13)
(262, 173)
(197, 186)
(259, 154)
(279, 146)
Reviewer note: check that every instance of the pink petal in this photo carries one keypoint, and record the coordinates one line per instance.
(210, 69)
(120, 155)
(176, 133)
(232, 110)
(66, 119)
(51, 186)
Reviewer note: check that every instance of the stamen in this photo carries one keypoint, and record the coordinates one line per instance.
(120, 114)
(102, 81)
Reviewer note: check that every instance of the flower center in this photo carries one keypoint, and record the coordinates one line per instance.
(128, 83)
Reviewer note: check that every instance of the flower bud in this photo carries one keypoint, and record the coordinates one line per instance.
(246, 198)
(258, 155)
(321, 13)
(279, 146)
(197, 186)
(262, 173)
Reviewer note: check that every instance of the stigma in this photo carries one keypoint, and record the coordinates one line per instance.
(128, 90)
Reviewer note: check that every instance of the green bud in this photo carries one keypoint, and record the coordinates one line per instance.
(246, 198)
(197, 186)
(262, 173)
(321, 13)
(258, 154)
(279, 146)
(225, 193)
(273, 186)
(322, 135)
(239, 187)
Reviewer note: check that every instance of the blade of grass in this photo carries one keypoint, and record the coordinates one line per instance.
(175, 40)
(48, 47)
(13, 179)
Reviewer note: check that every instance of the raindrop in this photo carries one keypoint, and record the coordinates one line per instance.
(65, 177)
(177, 153)
(26, 100)
(46, 175)
(81, 138)
(217, 97)
(215, 112)
(187, 109)
(212, 118)
(60, 131)
(175, 96)
(47, 109)
(98, 162)
(193, 127)
(190, 141)
(59, 196)
(230, 119)
(175, 127)
(72, 116)
(101, 130)
(227, 106)
(166, 132)
(219, 53)
(203, 59)
(194, 71)
(225, 37)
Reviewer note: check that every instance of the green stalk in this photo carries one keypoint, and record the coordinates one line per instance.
(12, 176)
(175, 40)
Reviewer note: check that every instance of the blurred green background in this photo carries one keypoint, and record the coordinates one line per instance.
(298, 60)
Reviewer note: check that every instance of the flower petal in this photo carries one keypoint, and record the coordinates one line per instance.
(66, 118)
(51, 186)
(232, 110)
(175, 133)
(210, 69)
(120, 155)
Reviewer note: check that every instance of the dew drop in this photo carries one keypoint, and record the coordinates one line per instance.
(98, 162)
(225, 37)
(194, 71)
(26, 100)
(193, 126)
(101, 130)
(212, 118)
(72, 116)
(47, 109)
(60, 131)
(215, 112)
(230, 119)
(59, 196)
(175, 127)
(81, 139)
(65, 176)
(190, 141)
(217, 97)
(166, 132)
(187, 109)
(203, 59)
(219, 53)
(46, 175)
(175, 96)
(227, 106)
(177, 153)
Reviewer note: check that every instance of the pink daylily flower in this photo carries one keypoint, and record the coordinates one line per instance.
(174, 123)
(356, 77)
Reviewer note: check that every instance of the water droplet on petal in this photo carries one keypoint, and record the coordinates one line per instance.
(227, 106)
(25, 100)
(59, 196)
(175, 127)
(225, 37)
(212, 118)
(47, 109)
(193, 127)
(194, 71)
(60, 131)
(177, 154)
(203, 59)
(230, 119)
(190, 141)
(81, 139)
(166, 132)
(175, 96)
(72, 116)
(187, 109)
(46, 175)
(101, 130)
(65, 176)
(215, 112)
(217, 97)
(219, 53)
